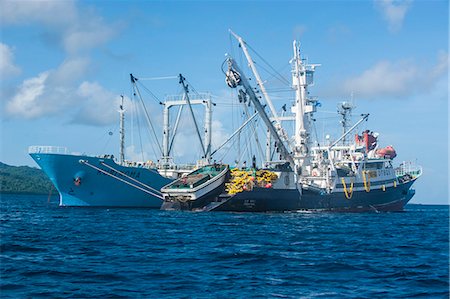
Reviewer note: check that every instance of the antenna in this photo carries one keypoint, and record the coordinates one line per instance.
(345, 110)
(122, 132)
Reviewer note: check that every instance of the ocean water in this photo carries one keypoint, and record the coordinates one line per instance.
(49, 251)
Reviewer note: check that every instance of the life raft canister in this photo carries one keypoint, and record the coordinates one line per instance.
(315, 172)
(77, 181)
(80, 175)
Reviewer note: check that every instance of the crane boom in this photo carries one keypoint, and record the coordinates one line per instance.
(234, 78)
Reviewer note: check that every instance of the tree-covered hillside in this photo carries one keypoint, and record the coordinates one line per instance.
(24, 179)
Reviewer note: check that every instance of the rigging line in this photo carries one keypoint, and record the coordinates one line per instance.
(138, 116)
(148, 119)
(246, 148)
(151, 145)
(328, 111)
(280, 89)
(315, 132)
(238, 131)
(225, 153)
(108, 140)
(247, 144)
(272, 154)
(157, 100)
(272, 75)
(140, 137)
(282, 69)
(186, 91)
(120, 179)
(257, 54)
(251, 151)
(192, 87)
(261, 152)
(231, 44)
(133, 108)
(254, 131)
(175, 129)
(149, 136)
(133, 179)
(158, 78)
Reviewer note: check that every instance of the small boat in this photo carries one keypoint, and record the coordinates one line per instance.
(195, 190)
(388, 152)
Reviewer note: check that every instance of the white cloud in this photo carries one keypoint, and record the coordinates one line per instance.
(71, 70)
(88, 32)
(219, 134)
(26, 101)
(55, 91)
(441, 66)
(49, 92)
(396, 79)
(99, 106)
(46, 12)
(384, 78)
(76, 29)
(394, 12)
(132, 154)
(7, 66)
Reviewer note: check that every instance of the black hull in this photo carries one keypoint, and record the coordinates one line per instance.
(261, 200)
(267, 200)
(392, 200)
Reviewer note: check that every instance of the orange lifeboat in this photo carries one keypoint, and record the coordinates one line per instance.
(387, 152)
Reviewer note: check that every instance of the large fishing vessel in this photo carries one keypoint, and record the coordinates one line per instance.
(339, 176)
(298, 172)
(108, 181)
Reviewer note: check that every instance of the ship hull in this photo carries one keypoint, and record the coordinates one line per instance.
(261, 200)
(80, 185)
(393, 199)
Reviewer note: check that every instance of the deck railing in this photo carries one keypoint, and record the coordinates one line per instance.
(47, 149)
(408, 168)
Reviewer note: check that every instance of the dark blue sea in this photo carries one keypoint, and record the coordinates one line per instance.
(52, 252)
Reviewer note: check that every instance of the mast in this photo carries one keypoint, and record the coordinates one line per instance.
(345, 110)
(233, 79)
(302, 76)
(186, 97)
(208, 129)
(166, 134)
(122, 132)
(185, 100)
(364, 117)
(268, 147)
(147, 117)
(299, 84)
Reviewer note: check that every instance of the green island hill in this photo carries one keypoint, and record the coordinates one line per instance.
(24, 179)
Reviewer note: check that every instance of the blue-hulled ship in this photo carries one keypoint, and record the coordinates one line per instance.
(99, 181)
(109, 181)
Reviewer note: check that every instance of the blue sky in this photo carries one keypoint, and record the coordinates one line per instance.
(65, 63)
